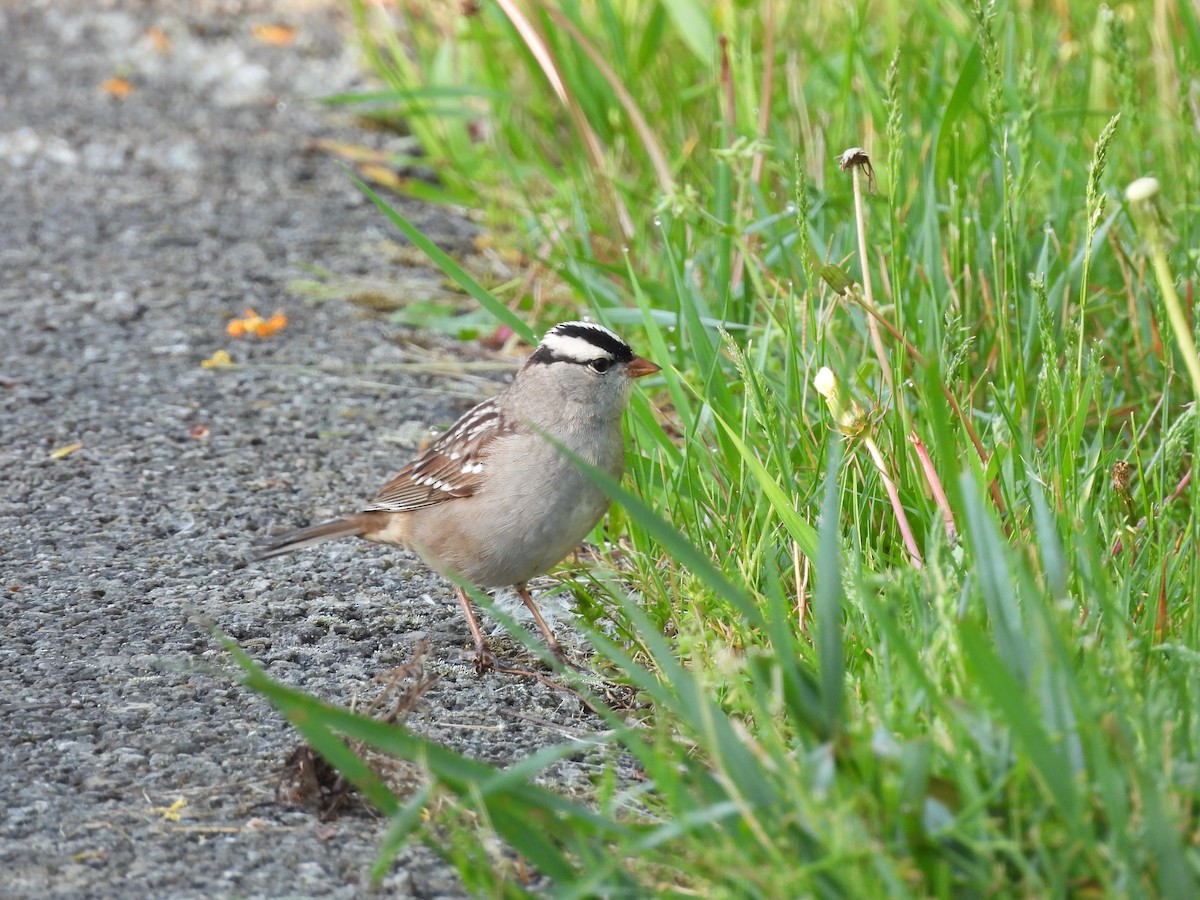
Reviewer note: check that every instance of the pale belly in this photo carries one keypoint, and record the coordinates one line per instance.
(527, 529)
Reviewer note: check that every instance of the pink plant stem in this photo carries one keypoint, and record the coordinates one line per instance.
(935, 485)
(910, 541)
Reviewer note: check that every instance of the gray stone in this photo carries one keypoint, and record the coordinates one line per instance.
(134, 230)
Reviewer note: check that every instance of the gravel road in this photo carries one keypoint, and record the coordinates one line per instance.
(132, 229)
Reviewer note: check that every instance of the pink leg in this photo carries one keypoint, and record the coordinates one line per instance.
(483, 656)
(551, 640)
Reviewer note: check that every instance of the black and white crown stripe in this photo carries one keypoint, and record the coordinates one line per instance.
(581, 342)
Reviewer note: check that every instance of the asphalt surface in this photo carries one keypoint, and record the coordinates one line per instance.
(134, 481)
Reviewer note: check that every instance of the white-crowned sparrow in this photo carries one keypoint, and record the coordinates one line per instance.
(491, 499)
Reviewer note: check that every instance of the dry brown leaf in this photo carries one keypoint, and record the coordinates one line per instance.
(62, 452)
(355, 153)
(382, 176)
(117, 87)
(158, 39)
(256, 325)
(275, 35)
(172, 813)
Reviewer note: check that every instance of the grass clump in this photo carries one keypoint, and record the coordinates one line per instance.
(927, 628)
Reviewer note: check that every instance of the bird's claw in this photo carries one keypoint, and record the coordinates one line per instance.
(485, 660)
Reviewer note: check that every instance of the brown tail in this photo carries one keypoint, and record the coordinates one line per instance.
(317, 534)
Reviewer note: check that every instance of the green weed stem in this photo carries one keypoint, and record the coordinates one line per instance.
(1141, 195)
(859, 163)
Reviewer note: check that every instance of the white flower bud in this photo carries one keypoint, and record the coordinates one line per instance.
(1141, 190)
(826, 383)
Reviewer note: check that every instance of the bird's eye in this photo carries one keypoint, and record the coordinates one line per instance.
(601, 365)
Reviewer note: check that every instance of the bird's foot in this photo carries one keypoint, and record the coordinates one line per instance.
(485, 660)
(561, 655)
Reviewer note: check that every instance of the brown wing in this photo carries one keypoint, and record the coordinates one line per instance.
(450, 467)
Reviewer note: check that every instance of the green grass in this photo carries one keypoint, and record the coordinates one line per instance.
(1010, 709)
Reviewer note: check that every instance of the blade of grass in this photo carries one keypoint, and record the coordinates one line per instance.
(827, 604)
(453, 270)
